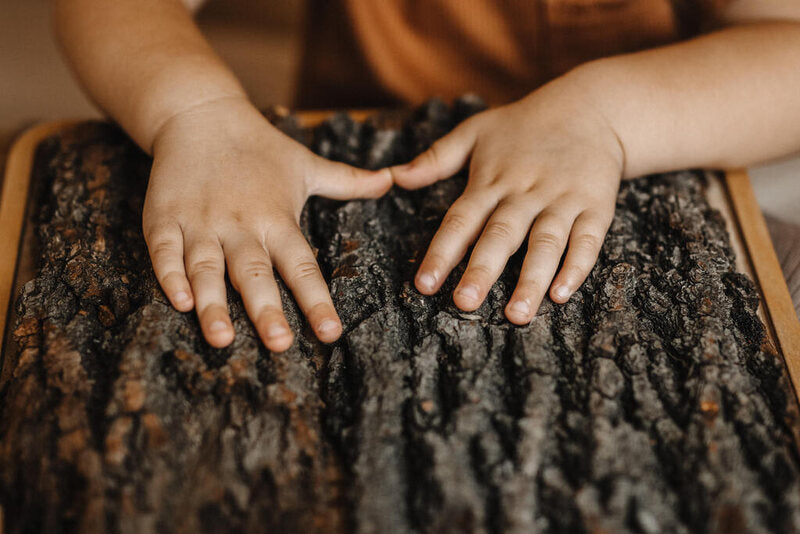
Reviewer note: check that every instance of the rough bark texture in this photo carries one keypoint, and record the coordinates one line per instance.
(645, 404)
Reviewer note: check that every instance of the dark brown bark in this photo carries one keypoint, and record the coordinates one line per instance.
(645, 404)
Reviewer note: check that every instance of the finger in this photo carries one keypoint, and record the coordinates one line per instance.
(343, 182)
(442, 160)
(585, 242)
(504, 233)
(165, 244)
(298, 267)
(251, 274)
(205, 265)
(459, 229)
(545, 246)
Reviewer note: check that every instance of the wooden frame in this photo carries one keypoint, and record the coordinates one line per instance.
(736, 201)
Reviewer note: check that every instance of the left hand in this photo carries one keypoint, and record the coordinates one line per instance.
(547, 167)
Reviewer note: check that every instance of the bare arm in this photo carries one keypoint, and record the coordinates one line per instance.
(727, 99)
(142, 61)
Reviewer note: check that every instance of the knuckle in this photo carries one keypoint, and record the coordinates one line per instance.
(455, 222)
(531, 197)
(480, 272)
(589, 242)
(170, 275)
(212, 310)
(546, 240)
(269, 312)
(304, 271)
(156, 216)
(499, 230)
(433, 154)
(434, 260)
(171, 279)
(162, 246)
(274, 230)
(320, 308)
(496, 180)
(254, 269)
(530, 287)
(499, 189)
(203, 267)
(577, 271)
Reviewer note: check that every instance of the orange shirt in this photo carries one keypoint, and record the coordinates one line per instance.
(379, 52)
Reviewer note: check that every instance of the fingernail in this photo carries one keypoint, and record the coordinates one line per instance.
(562, 292)
(521, 307)
(328, 325)
(218, 326)
(468, 292)
(277, 330)
(181, 296)
(426, 280)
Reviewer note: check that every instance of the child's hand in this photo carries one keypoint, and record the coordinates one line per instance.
(227, 187)
(547, 166)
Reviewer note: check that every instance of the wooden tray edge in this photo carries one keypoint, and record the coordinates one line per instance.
(767, 269)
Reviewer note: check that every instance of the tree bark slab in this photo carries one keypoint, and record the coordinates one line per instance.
(644, 404)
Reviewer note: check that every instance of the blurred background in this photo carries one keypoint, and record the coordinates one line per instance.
(259, 39)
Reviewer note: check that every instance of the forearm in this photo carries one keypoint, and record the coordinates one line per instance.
(726, 99)
(142, 61)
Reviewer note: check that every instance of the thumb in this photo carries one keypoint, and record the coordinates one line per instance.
(340, 181)
(442, 160)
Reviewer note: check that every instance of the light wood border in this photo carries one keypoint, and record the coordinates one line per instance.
(775, 293)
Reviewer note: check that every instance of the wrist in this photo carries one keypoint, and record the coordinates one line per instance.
(580, 97)
(221, 117)
(633, 104)
(175, 90)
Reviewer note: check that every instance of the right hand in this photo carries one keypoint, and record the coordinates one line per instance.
(228, 187)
